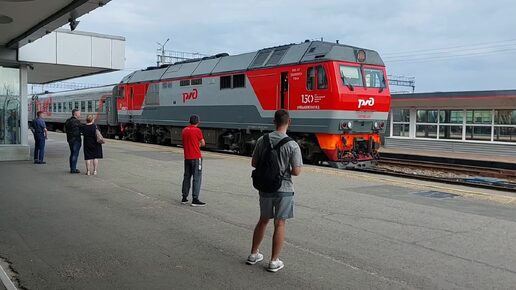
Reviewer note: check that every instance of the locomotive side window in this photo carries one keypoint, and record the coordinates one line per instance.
(239, 81)
(351, 75)
(96, 106)
(374, 78)
(184, 83)
(225, 82)
(64, 107)
(121, 92)
(76, 105)
(60, 107)
(310, 78)
(70, 105)
(54, 107)
(322, 80)
(90, 106)
(83, 106)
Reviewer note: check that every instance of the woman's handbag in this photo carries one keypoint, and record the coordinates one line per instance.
(100, 138)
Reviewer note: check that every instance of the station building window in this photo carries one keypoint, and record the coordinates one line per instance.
(9, 105)
(60, 107)
(400, 122)
(505, 126)
(479, 125)
(450, 124)
(426, 123)
(488, 125)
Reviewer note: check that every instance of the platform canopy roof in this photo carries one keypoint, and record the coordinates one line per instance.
(23, 21)
(33, 23)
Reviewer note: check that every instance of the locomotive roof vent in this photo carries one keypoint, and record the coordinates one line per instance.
(218, 55)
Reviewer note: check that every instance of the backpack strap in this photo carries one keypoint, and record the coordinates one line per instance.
(267, 140)
(282, 142)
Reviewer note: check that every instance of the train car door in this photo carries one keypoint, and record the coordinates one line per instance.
(284, 91)
(111, 111)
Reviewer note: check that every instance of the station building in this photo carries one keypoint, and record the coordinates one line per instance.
(469, 123)
(33, 50)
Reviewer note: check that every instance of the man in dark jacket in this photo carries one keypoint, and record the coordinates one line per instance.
(73, 136)
(40, 135)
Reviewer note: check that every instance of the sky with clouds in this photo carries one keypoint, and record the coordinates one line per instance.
(447, 45)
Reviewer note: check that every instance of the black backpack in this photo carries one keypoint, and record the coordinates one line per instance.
(267, 176)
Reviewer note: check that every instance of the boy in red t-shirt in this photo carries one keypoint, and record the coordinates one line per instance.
(192, 141)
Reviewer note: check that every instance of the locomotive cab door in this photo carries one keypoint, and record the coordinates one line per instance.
(284, 95)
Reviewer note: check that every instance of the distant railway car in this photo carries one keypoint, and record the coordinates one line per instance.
(57, 107)
(337, 96)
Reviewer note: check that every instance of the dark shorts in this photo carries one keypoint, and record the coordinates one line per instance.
(277, 207)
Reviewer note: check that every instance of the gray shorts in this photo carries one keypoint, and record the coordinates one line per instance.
(277, 207)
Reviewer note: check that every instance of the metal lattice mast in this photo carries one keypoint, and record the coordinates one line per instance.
(402, 81)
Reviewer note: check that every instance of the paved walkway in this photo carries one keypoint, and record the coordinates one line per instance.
(126, 229)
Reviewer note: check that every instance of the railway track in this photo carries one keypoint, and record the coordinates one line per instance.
(497, 182)
(467, 175)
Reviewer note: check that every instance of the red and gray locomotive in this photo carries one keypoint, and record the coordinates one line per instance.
(337, 96)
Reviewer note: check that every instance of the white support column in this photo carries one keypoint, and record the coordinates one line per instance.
(465, 112)
(24, 105)
(412, 126)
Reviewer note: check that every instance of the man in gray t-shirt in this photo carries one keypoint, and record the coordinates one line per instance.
(277, 205)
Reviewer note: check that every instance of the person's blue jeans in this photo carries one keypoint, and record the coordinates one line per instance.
(39, 148)
(75, 148)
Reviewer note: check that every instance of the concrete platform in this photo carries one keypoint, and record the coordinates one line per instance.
(126, 229)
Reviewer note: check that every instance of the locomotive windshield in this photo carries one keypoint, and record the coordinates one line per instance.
(374, 78)
(351, 75)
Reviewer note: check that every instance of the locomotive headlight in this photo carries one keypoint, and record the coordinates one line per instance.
(346, 125)
(361, 55)
(376, 125)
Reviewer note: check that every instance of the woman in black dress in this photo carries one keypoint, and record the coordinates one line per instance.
(92, 149)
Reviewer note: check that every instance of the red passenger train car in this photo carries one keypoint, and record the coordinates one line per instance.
(337, 96)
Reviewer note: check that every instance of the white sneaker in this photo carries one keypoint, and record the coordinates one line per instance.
(254, 258)
(275, 266)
